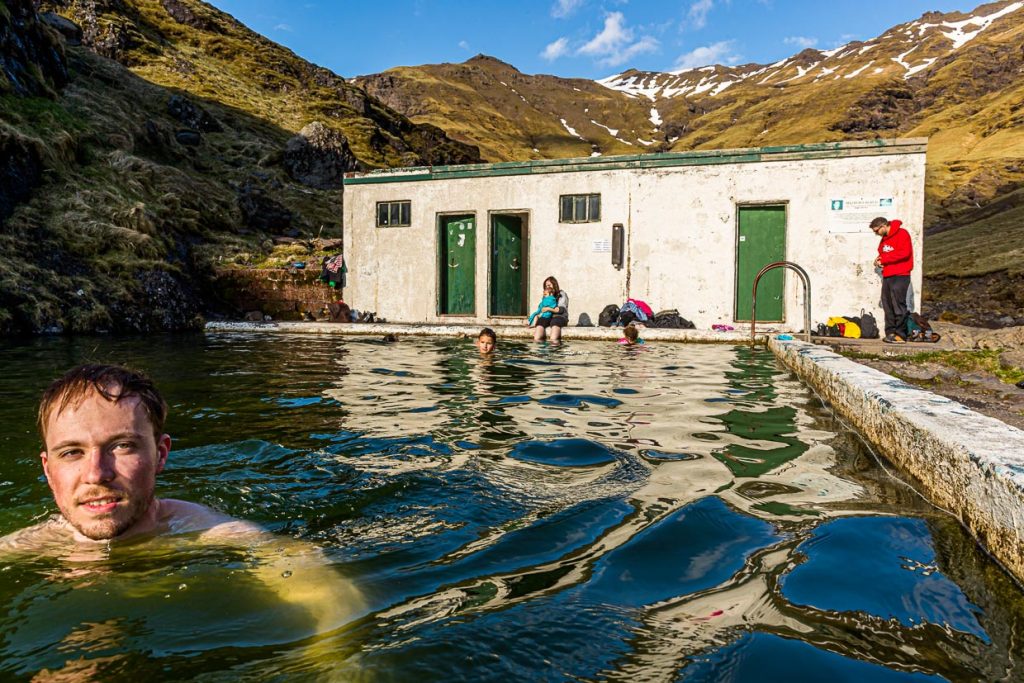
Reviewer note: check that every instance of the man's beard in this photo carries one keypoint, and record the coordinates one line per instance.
(112, 525)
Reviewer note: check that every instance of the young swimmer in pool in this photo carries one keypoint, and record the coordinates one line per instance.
(631, 336)
(486, 340)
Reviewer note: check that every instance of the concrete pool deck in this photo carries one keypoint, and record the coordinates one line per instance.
(471, 331)
(965, 462)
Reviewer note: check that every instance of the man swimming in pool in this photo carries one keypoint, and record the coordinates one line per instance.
(103, 446)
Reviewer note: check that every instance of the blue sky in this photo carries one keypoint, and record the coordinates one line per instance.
(569, 38)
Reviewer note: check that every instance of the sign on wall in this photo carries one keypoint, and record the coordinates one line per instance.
(854, 214)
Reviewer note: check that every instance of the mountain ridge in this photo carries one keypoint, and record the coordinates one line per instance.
(956, 78)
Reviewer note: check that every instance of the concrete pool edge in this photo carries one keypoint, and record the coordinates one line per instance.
(970, 464)
(470, 331)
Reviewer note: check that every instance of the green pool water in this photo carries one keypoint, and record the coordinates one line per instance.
(589, 511)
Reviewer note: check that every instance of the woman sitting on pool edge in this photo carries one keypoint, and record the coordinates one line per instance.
(552, 313)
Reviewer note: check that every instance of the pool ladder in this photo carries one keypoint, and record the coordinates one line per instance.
(807, 296)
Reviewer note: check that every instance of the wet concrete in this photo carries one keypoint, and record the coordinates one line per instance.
(968, 463)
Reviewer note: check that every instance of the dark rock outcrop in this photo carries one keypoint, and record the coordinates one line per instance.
(885, 108)
(183, 14)
(20, 171)
(260, 211)
(31, 54)
(319, 157)
(71, 31)
(192, 115)
(189, 138)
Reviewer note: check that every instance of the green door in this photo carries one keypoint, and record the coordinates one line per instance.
(761, 240)
(457, 265)
(508, 266)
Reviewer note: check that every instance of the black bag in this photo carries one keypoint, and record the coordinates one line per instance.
(670, 318)
(868, 326)
(609, 316)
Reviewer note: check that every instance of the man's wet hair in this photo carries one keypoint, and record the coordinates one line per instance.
(488, 332)
(878, 222)
(112, 382)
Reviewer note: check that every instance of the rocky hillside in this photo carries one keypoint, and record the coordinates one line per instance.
(144, 144)
(956, 78)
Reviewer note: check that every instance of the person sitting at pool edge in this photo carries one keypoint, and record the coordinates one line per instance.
(552, 313)
(631, 335)
(486, 340)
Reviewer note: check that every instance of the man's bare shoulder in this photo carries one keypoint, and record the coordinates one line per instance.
(182, 517)
(38, 537)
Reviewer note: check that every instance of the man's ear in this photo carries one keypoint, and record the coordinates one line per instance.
(163, 447)
(46, 465)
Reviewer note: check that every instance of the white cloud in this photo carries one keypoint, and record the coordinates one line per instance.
(803, 42)
(464, 45)
(614, 45)
(698, 13)
(564, 8)
(645, 44)
(283, 27)
(556, 49)
(717, 53)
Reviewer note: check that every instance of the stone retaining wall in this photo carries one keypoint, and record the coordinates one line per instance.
(281, 293)
(965, 462)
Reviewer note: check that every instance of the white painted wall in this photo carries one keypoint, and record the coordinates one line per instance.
(680, 221)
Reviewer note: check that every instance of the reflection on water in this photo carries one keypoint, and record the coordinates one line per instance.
(588, 511)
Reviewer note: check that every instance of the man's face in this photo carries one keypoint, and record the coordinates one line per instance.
(101, 462)
(485, 344)
(881, 230)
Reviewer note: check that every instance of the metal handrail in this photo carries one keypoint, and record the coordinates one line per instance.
(807, 296)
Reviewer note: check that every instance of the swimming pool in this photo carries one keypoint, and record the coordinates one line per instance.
(582, 512)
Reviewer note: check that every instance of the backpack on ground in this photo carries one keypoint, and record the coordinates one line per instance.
(609, 315)
(868, 326)
(918, 329)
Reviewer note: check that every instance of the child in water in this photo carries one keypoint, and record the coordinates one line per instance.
(486, 340)
(631, 335)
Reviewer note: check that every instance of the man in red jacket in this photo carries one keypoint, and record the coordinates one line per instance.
(896, 259)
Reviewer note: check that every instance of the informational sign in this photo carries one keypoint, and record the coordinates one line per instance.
(602, 246)
(854, 214)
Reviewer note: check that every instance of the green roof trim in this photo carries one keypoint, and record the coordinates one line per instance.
(820, 150)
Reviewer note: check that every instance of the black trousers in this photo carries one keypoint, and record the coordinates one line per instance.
(894, 303)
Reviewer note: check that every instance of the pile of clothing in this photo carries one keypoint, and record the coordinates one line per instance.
(637, 311)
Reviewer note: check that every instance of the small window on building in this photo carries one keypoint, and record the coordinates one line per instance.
(579, 208)
(394, 214)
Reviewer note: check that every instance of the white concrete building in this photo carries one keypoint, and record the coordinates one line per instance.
(473, 244)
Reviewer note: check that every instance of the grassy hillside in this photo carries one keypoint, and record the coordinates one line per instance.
(168, 153)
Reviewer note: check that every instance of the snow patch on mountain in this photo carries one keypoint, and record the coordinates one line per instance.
(857, 72)
(962, 32)
(571, 130)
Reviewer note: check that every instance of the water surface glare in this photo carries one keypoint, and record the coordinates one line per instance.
(578, 512)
